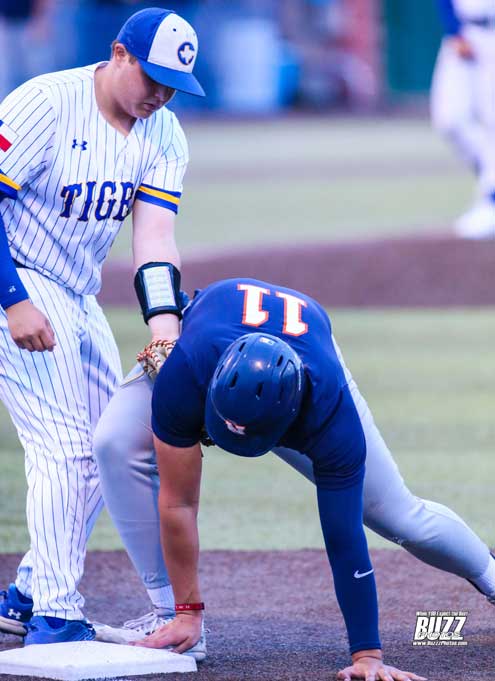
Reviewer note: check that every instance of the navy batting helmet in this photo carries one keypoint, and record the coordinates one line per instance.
(254, 395)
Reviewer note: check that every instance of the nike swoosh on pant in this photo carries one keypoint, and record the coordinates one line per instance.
(358, 574)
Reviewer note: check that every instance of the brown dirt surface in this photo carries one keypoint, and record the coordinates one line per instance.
(273, 616)
(427, 271)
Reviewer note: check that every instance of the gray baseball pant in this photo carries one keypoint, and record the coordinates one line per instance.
(129, 479)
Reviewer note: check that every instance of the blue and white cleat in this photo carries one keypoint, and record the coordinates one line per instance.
(15, 611)
(56, 630)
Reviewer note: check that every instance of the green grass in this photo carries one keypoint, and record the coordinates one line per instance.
(428, 377)
(314, 179)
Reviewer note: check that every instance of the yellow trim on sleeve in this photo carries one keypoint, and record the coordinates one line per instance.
(6, 180)
(160, 194)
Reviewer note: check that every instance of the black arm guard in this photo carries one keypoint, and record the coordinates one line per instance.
(157, 286)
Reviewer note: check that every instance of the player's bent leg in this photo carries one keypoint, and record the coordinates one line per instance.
(123, 446)
(453, 109)
(45, 395)
(300, 462)
(480, 223)
(56, 513)
(430, 531)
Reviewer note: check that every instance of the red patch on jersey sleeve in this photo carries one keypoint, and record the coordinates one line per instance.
(7, 136)
(4, 143)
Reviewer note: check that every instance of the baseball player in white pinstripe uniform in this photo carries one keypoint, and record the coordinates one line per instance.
(463, 101)
(79, 151)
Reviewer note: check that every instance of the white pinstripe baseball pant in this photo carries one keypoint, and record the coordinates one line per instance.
(55, 400)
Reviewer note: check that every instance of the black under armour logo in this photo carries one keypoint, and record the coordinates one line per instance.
(83, 145)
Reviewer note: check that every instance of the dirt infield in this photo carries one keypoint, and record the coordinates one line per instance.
(273, 616)
(434, 271)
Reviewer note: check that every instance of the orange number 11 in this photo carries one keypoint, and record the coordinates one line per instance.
(254, 315)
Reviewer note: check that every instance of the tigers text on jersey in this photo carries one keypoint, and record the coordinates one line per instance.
(77, 177)
(327, 429)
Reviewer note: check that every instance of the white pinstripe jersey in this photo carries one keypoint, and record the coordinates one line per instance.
(474, 9)
(75, 177)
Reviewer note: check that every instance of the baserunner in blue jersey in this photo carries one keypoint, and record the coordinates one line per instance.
(256, 368)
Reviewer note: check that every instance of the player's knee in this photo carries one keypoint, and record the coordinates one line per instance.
(399, 523)
(107, 448)
(122, 456)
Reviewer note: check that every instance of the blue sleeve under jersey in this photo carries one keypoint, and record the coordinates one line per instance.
(450, 21)
(12, 290)
(341, 517)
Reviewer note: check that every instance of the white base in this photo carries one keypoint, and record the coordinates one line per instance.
(91, 660)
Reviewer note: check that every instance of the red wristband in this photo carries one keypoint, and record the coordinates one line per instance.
(180, 607)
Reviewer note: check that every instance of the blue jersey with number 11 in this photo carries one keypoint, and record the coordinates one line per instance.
(328, 429)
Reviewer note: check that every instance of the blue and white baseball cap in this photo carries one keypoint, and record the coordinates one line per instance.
(166, 47)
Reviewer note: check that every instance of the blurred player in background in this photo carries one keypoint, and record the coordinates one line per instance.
(463, 101)
(79, 151)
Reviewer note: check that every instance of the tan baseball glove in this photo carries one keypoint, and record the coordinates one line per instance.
(154, 355)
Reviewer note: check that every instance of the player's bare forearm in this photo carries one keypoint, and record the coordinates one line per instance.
(153, 235)
(180, 476)
(180, 544)
(153, 240)
(164, 326)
